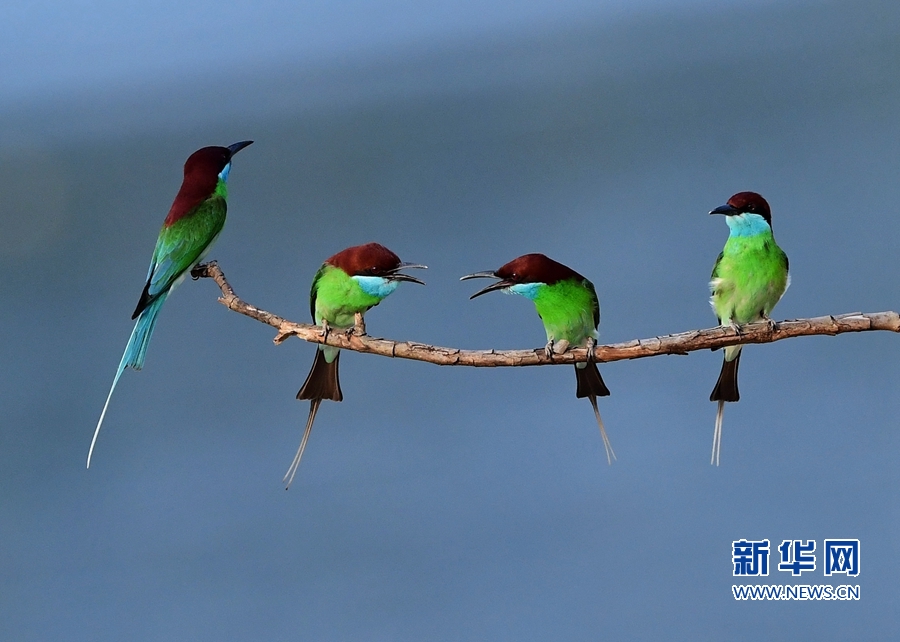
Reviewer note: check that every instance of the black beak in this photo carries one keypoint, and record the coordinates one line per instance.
(395, 274)
(234, 149)
(405, 277)
(727, 210)
(489, 274)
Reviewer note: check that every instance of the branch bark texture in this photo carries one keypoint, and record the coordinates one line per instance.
(680, 343)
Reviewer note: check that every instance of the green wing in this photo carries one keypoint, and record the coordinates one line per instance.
(313, 292)
(713, 277)
(715, 270)
(181, 246)
(595, 302)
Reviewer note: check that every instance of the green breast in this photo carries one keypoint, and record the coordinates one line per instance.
(569, 310)
(336, 297)
(749, 278)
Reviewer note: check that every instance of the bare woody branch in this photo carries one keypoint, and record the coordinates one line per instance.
(680, 343)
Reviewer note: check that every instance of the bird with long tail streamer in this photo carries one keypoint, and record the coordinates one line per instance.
(194, 222)
(568, 306)
(349, 283)
(749, 278)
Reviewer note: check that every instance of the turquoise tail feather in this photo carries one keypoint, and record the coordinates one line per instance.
(136, 349)
(133, 357)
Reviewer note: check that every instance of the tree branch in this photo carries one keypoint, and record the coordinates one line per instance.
(680, 343)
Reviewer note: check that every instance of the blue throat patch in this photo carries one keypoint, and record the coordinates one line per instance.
(747, 224)
(223, 175)
(527, 290)
(376, 286)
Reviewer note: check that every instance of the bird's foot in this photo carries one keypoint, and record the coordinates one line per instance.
(555, 347)
(736, 327)
(199, 271)
(772, 325)
(591, 344)
(325, 329)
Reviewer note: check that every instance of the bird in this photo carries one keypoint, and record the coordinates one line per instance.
(748, 279)
(348, 284)
(191, 227)
(567, 304)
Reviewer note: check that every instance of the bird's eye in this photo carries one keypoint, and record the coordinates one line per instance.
(752, 207)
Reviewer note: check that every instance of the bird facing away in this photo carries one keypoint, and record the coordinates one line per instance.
(567, 304)
(191, 227)
(749, 278)
(349, 283)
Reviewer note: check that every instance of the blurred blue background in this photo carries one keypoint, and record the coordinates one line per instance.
(441, 503)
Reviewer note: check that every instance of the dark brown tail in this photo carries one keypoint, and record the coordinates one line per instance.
(727, 386)
(322, 381)
(590, 384)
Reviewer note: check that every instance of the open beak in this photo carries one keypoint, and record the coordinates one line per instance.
(727, 210)
(395, 274)
(234, 149)
(489, 274)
